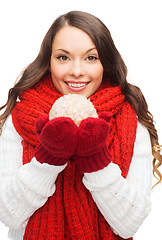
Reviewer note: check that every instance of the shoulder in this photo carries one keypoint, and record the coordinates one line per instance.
(9, 130)
(142, 136)
(10, 148)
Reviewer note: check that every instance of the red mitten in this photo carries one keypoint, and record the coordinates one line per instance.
(92, 153)
(58, 139)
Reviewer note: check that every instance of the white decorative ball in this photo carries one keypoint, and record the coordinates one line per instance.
(75, 106)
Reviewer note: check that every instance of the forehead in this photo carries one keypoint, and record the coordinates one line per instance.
(72, 38)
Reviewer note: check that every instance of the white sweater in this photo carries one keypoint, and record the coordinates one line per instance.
(125, 203)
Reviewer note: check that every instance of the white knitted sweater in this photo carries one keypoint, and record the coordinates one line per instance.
(125, 203)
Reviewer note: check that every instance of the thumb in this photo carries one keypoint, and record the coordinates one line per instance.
(40, 123)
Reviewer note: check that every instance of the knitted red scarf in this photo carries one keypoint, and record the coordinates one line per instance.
(71, 212)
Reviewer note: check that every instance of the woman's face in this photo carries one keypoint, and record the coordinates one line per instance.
(75, 65)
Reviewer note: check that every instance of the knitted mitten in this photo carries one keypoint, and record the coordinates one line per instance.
(58, 139)
(92, 153)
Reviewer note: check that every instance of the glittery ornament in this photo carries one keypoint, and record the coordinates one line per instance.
(75, 106)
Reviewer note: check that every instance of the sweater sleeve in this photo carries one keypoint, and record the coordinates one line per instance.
(23, 188)
(125, 203)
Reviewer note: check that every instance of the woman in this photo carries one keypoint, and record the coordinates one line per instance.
(61, 181)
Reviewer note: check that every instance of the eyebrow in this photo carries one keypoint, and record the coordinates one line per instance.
(61, 49)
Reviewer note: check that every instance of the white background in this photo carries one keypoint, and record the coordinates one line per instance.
(136, 27)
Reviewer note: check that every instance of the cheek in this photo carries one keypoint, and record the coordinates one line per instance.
(57, 73)
(57, 70)
(98, 75)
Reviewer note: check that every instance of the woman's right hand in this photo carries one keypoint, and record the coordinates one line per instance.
(58, 139)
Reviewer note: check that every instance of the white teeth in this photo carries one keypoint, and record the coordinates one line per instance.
(76, 85)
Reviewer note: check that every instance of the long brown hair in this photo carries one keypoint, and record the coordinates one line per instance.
(114, 69)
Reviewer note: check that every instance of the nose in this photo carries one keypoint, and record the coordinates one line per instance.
(77, 69)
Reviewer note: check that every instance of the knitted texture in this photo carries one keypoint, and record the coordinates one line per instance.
(55, 136)
(44, 156)
(71, 212)
(91, 153)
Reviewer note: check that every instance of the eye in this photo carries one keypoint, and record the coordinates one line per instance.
(91, 58)
(62, 58)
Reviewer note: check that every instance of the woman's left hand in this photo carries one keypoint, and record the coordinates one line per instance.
(91, 152)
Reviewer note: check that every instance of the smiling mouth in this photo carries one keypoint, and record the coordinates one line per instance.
(76, 85)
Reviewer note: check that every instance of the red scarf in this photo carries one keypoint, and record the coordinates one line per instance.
(71, 212)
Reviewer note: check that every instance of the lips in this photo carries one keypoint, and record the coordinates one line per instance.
(76, 87)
